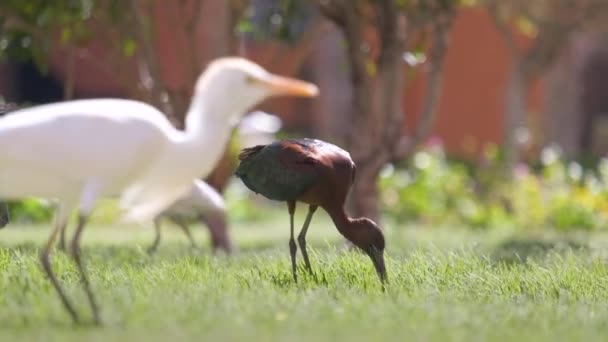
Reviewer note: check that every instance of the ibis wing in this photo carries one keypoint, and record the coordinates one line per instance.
(250, 152)
(278, 173)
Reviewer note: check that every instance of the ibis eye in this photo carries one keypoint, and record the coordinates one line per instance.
(250, 79)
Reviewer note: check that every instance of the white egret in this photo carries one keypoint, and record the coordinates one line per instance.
(202, 203)
(79, 151)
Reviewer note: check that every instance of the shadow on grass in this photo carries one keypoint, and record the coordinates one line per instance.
(523, 250)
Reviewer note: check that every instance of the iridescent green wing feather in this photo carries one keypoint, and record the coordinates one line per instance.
(276, 172)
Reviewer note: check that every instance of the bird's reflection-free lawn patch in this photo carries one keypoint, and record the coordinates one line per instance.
(454, 292)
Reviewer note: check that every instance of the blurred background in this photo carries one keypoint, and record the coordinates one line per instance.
(482, 113)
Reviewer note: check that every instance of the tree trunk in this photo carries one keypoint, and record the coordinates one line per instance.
(333, 107)
(376, 115)
(364, 196)
(515, 113)
(375, 135)
(68, 86)
(218, 33)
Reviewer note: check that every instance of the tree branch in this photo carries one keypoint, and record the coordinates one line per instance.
(345, 14)
(150, 65)
(13, 21)
(333, 10)
(133, 87)
(237, 9)
(188, 28)
(301, 49)
(433, 90)
(68, 85)
(350, 20)
(545, 50)
(503, 28)
(392, 32)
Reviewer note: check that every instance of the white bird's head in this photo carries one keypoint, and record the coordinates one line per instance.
(231, 85)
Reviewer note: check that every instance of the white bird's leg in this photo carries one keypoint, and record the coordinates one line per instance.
(184, 227)
(60, 223)
(291, 207)
(4, 216)
(75, 249)
(218, 229)
(302, 237)
(61, 242)
(152, 249)
(87, 202)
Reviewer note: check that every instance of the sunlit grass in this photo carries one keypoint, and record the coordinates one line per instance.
(445, 284)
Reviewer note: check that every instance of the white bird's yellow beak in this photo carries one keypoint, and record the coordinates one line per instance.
(280, 85)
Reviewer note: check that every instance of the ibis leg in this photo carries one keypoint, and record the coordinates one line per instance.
(61, 242)
(291, 206)
(75, 249)
(154, 245)
(186, 230)
(60, 223)
(302, 237)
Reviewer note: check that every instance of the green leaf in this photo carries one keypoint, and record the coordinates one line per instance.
(526, 26)
(129, 46)
(66, 35)
(371, 67)
(244, 26)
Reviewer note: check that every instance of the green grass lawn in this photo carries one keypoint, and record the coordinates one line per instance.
(445, 285)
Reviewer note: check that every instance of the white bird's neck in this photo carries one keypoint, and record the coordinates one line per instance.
(206, 133)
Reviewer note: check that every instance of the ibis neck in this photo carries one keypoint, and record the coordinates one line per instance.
(343, 223)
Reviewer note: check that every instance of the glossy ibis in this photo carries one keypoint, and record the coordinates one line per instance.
(319, 174)
(78, 151)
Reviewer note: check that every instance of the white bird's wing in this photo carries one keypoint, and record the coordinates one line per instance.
(201, 199)
(146, 200)
(50, 150)
(163, 183)
(160, 191)
(206, 197)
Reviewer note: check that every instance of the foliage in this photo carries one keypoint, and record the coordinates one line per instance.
(559, 194)
(434, 295)
(285, 20)
(29, 28)
(30, 210)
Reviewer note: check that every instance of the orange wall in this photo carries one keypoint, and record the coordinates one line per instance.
(477, 67)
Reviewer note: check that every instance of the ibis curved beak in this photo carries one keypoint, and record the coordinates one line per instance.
(377, 257)
(280, 85)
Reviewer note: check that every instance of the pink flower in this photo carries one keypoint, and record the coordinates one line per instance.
(521, 170)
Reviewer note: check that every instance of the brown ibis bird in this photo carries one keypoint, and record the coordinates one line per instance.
(319, 174)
